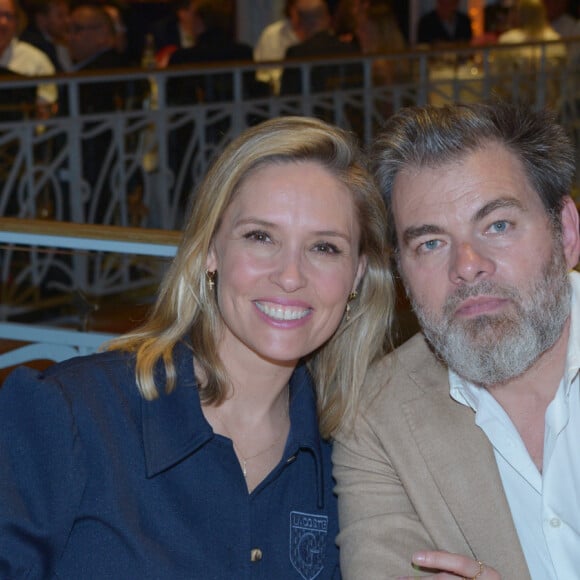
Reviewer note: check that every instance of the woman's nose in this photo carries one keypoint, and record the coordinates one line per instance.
(288, 272)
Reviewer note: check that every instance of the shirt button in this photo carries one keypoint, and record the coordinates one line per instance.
(555, 522)
(255, 555)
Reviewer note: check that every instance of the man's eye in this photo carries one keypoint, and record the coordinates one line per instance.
(499, 227)
(428, 246)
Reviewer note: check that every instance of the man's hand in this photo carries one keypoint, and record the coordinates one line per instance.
(447, 566)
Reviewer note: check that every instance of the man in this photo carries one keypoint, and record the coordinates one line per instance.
(464, 457)
(314, 23)
(560, 18)
(444, 24)
(23, 58)
(47, 30)
(92, 47)
(215, 43)
(273, 42)
(92, 38)
(176, 29)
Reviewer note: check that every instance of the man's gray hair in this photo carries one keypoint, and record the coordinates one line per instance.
(432, 136)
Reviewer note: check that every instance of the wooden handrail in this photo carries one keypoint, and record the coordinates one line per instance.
(92, 231)
(89, 237)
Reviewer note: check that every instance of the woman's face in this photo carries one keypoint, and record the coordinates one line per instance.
(286, 256)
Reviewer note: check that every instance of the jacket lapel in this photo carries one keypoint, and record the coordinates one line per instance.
(462, 464)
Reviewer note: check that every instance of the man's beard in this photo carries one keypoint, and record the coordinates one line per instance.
(492, 349)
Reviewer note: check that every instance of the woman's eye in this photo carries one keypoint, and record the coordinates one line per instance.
(257, 236)
(499, 227)
(326, 248)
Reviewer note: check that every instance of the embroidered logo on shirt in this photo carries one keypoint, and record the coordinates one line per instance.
(308, 543)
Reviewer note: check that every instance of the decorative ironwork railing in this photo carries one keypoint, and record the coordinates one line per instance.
(78, 242)
(127, 148)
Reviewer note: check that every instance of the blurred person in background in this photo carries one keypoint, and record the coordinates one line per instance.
(561, 19)
(116, 12)
(92, 38)
(273, 43)
(378, 32)
(444, 24)
(320, 41)
(47, 30)
(531, 25)
(175, 30)
(22, 58)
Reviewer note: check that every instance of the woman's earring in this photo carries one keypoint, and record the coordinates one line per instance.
(352, 296)
(210, 279)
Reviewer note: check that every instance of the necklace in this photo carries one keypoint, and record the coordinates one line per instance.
(244, 460)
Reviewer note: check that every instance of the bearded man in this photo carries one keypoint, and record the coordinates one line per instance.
(464, 459)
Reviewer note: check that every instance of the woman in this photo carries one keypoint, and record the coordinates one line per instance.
(532, 26)
(191, 449)
(520, 65)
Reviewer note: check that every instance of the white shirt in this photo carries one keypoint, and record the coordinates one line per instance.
(25, 59)
(566, 26)
(273, 43)
(545, 508)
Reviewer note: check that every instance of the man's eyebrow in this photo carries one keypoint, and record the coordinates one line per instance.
(414, 232)
(502, 202)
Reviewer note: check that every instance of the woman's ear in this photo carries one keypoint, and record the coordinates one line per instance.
(362, 267)
(211, 260)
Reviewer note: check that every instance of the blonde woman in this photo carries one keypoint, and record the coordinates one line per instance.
(198, 446)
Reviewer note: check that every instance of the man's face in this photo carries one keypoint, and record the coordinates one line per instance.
(187, 17)
(555, 8)
(56, 21)
(482, 263)
(8, 23)
(88, 34)
(447, 8)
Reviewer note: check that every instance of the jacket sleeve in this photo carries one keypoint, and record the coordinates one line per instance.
(379, 528)
(42, 474)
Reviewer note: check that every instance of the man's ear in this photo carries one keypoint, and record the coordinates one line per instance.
(570, 232)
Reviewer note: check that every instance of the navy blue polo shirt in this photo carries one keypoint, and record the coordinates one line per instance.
(97, 483)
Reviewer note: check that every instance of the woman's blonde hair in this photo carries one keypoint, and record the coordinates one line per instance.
(187, 309)
(532, 17)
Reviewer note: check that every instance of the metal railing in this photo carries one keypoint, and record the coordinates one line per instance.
(135, 160)
(53, 342)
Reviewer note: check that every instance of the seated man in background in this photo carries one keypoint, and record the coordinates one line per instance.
(47, 30)
(464, 458)
(23, 58)
(215, 42)
(319, 40)
(92, 48)
(273, 43)
(444, 24)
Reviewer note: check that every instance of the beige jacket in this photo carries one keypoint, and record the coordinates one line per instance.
(417, 473)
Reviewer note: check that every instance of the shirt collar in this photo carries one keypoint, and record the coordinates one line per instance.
(304, 430)
(573, 350)
(174, 426)
(6, 56)
(470, 395)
